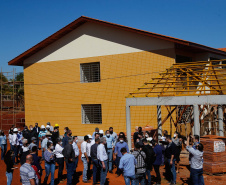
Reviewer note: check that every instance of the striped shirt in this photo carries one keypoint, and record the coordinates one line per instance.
(27, 173)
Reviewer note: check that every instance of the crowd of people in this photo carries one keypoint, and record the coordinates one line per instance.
(103, 150)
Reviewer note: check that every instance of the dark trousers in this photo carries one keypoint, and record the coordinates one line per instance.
(95, 169)
(70, 172)
(15, 156)
(60, 162)
(3, 149)
(197, 176)
(158, 177)
(117, 161)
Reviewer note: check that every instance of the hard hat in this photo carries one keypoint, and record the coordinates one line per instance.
(47, 126)
(56, 125)
(90, 137)
(101, 131)
(43, 126)
(15, 130)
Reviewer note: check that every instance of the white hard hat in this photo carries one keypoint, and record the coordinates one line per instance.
(101, 131)
(43, 126)
(90, 137)
(47, 126)
(15, 130)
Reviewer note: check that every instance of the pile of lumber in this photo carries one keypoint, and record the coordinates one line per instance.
(214, 155)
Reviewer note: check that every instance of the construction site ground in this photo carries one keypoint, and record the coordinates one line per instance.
(182, 176)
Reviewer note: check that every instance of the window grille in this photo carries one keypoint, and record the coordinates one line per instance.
(90, 72)
(91, 114)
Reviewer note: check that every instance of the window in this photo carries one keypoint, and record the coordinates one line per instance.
(90, 72)
(91, 114)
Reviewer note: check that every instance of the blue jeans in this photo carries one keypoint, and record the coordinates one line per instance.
(76, 164)
(3, 149)
(173, 171)
(9, 178)
(50, 168)
(117, 161)
(109, 153)
(140, 179)
(70, 172)
(197, 176)
(85, 168)
(95, 168)
(129, 179)
(103, 172)
(148, 173)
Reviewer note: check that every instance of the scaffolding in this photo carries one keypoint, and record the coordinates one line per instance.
(12, 105)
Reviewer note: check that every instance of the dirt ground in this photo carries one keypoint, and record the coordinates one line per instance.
(182, 176)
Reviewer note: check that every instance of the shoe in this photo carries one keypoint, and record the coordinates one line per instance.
(86, 181)
(110, 171)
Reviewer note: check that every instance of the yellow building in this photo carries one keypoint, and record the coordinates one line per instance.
(79, 76)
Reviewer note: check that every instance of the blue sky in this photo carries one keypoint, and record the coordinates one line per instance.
(24, 23)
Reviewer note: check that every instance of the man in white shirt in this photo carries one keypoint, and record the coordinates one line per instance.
(97, 135)
(103, 158)
(85, 159)
(15, 144)
(76, 149)
(113, 134)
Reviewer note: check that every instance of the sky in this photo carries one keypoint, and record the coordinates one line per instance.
(24, 23)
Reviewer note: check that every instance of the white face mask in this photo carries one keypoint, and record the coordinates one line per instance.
(51, 147)
(107, 135)
(146, 135)
(31, 128)
(76, 140)
(175, 135)
(121, 141)
(65, 131)
(61, 143)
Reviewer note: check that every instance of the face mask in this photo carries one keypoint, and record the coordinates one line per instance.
(61, 143)
(76, 141)
(121, 141)
(49, 138)
(175, 135)
(31, 128)
(111, 132)
(65, 131)
(70, 134)
(34, 141)
(146, 135)
(51, 147)
(108, 135)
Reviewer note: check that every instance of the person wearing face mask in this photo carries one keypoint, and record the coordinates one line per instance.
(59, 158)
(119, 145)
(89, 155)
(69, 155)
(49, 158)
(76, 150)
(36, 162)
(96, 131)
(37, 130)
(113, 134)
(110, 145)
(66, 138)
(24, 151)
(101, 133)
(97, 136)
(33, 143)
(8, 159)
(178, 141)
(55, 135)
(44, 142)
(33, 133)
(65, 131)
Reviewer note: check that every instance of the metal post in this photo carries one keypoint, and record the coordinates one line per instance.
(196, 120)
(220, 119)
(159, 121)
(128, 127)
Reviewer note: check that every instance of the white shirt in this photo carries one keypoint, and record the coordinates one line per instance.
(114, 135)
(101, 153)
(15, 139)
(58, 151)
(75, 148)
(84, 148)
(10, 138)
(89, 149)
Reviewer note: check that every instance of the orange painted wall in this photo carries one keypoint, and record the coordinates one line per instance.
(53, 91)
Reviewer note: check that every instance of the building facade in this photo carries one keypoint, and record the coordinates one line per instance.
(79, 77)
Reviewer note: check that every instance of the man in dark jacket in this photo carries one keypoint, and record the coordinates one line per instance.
(69, 155)
(150, 158)
(66, 138)
(26, 134)
(170, 154)
(55, 135)
(37, 130)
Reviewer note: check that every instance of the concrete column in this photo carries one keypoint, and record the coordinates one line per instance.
(196, 120)
(220, 119)
(159, 121)
(128, 127)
